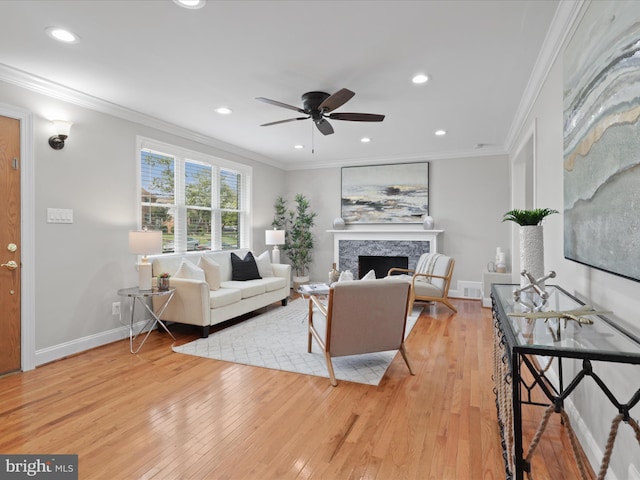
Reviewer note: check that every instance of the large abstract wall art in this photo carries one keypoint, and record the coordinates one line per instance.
(385, 193)
(602, 139)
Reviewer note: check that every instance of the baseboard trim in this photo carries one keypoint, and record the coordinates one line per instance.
(57, 352)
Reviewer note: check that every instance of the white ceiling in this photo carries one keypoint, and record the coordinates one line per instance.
(178, 65)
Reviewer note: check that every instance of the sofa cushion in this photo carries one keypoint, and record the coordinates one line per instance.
(264, 265)
(248, 288)
(223, 297)
(190, 271)
(274, 283)
(211, 272)
(244, 269)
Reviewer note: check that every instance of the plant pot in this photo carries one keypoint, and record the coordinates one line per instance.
(163, 284)
(531, 252)
(297, 281)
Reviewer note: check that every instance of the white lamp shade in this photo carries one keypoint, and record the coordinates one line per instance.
(145, 242)
(62, 127)
(274, 237)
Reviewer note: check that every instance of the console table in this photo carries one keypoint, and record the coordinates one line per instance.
(519, 344)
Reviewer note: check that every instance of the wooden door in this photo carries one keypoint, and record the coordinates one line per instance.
(9, 245)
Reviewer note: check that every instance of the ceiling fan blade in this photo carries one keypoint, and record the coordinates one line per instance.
(324, 127)
(280, 104)
(336, 100)
(284, 121)
(357, 117)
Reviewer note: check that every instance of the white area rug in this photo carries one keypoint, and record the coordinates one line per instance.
(277, 340)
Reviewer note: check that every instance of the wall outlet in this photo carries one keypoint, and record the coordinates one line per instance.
(115, 308)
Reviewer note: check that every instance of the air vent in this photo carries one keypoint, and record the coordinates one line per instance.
(470, 290)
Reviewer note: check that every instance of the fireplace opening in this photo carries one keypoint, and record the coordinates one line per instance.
(380, 264)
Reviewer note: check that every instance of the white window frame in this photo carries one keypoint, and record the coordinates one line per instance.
(182, 155)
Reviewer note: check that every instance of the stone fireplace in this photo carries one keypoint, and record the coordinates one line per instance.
(348, 245)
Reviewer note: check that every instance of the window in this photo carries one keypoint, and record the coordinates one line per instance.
(199, 202)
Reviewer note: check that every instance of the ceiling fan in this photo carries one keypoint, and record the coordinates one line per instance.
(319, 105)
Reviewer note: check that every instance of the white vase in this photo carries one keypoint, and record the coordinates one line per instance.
(531, 252)
(427, 222)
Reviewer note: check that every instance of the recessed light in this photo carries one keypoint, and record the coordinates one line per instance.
(365, 139)
(192, 4)
(62, 35)
(298, 147)
(420, 78)
(440, 132)
(223, 110)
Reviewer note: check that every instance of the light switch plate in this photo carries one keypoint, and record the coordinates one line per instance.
(59, 215)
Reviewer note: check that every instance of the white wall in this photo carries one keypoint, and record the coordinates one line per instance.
(79, 267)
(468, 197)
(610, 292)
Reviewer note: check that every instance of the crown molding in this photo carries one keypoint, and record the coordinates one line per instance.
(60, 92)
(564, 20)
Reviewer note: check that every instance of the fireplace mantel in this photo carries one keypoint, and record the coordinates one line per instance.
(379, 234)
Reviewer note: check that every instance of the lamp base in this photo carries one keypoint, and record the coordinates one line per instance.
(275, 255)
(144, 276)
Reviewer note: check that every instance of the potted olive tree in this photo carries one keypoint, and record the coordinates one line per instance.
(531, 239)
(297, 224)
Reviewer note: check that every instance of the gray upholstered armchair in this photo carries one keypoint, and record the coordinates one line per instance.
(430, 280)
(362, 316)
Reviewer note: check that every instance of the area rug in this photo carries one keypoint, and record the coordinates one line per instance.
(277, 340)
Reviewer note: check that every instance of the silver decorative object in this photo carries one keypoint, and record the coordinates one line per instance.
(533, 287)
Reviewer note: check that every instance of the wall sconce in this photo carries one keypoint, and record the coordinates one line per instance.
(274, 237)
(61, 128)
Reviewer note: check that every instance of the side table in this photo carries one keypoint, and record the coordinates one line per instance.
(134, 293)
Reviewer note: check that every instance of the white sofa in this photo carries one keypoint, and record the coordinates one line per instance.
(198, 303)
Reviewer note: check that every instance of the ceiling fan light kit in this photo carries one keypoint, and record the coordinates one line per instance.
(318, 107)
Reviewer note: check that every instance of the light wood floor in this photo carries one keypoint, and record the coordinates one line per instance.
(163, 415)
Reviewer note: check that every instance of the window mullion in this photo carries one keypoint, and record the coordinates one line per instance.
(181, 209)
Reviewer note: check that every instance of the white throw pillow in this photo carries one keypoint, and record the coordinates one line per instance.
(345, 276)
(211, 272)
(264, 265)
(190, 271)
(371, 275)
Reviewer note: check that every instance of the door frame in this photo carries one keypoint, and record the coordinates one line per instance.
(27, 232)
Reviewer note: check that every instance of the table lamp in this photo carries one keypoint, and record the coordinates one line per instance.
(145, 242)
(274, 237)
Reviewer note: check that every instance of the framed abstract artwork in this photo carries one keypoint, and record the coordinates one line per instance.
(397, 193)
(602, 139)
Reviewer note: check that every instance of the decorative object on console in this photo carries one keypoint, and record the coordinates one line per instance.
(62, 129)
(274, 237)
(533, 286)
(501, 260)
(145, 242)
(531, 239)
(163, 281)
(427, 222)
(396, 193)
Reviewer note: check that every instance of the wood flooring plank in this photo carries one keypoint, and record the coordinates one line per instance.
(162, 415)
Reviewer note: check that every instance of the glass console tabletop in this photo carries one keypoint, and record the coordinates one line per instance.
(589, 336)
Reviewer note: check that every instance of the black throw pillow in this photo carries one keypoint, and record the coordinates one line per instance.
(244, 269)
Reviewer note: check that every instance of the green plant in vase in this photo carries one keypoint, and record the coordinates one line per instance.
(528, 217)
(297, 224)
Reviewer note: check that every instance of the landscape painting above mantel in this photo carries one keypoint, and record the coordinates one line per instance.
(396, 193)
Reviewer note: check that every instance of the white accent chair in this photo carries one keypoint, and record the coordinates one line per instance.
(362, 316)
(430, 280)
